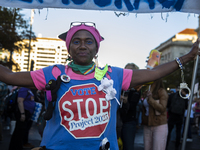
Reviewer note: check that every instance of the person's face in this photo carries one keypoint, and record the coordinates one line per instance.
(83, 47)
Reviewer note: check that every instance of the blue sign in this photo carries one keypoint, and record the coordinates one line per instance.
(134, 6)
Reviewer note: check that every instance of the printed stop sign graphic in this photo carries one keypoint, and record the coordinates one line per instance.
(84, 111)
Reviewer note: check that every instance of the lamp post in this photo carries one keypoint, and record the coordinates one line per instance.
(29, 49)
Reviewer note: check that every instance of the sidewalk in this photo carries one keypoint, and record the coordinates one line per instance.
(34, 138)
(194, 145)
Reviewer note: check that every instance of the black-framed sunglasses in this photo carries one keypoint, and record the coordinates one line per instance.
(90, 24)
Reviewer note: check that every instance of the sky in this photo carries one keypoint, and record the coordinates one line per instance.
(127, 39)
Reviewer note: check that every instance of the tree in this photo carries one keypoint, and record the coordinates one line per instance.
(13, 30)
(173, 80)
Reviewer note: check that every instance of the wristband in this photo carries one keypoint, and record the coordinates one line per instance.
(179, 63)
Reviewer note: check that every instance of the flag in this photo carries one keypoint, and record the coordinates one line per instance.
(32, 16)
(131, 6)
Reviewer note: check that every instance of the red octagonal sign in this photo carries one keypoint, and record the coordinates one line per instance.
(84, 111)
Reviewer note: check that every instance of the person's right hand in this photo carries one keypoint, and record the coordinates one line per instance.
(124, 99)
(23, 117)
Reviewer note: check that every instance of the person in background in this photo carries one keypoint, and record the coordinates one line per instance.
(173, 132)
(119, 129)
(128, 113)
(26, 106)
(196, 108)
(189, 134)
(3, 92)
(176, 119)
(139, 112)
(87, 94)
(9, 113)
(41, 121)
(154, 117)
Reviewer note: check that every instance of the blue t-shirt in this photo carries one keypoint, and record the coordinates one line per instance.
(82, 117)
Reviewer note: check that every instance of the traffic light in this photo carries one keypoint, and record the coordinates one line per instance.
(32, 65)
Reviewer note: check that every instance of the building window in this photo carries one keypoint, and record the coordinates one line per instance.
(181, 54)
(45, 53)
(48, 49)
(41, 65)
(168, 55)
(45, 61)
(165, 57)
(45, 57)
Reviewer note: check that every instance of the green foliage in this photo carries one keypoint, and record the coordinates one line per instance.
(13, 29)
(173, 80)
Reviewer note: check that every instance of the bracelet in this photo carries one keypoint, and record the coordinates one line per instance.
(179, 63)
(182, 60)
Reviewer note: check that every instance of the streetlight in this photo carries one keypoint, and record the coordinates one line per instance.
(29, 50)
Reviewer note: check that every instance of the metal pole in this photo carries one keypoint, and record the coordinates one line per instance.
(29, 49)
(191, 97)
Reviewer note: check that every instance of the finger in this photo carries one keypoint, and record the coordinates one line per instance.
(198, 42)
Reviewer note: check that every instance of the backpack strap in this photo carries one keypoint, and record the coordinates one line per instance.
(52, 87)
(51, 90)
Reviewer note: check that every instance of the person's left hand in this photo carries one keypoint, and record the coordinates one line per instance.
(124, 99)
(149, 93)
(23, 117)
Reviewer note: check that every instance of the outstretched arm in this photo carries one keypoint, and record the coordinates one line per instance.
(142, 76)
(15, 78)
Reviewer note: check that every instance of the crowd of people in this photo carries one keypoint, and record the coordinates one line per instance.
(153, 104)
(82, 99)
(160, 122)
(17, 114)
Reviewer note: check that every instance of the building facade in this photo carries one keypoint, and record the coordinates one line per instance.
(50, 51)
(177, 46)
(44, 52)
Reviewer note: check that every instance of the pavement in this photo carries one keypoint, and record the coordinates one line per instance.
(35, 139)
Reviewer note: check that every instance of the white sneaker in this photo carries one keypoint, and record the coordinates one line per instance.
(6, 128)
(189, 140)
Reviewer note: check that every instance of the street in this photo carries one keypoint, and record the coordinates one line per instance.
(35, 138)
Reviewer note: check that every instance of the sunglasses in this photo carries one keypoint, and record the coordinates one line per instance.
(89, 24)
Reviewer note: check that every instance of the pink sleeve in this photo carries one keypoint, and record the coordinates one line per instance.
(127, 77)
(38, 79)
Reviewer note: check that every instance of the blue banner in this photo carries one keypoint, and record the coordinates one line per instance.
(132, 6)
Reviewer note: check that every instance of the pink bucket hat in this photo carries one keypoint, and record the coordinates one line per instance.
(67, 36)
